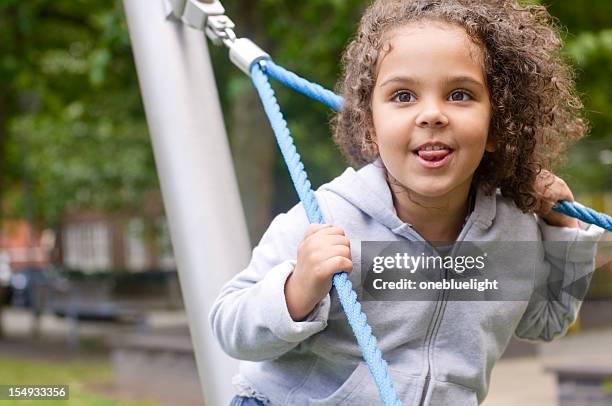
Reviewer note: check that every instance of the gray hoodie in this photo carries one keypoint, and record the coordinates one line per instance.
(439, 352)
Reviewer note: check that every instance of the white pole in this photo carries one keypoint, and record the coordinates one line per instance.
(198, 183)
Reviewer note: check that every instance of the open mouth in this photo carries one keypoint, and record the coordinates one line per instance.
(433, 155)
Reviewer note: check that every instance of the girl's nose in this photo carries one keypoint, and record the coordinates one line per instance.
(431, 116)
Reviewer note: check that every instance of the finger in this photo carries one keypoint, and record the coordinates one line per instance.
(336, 264)
(544, 173)
(327, 240)
(331, 230)
(554, 189)
(319, 241)
(564, 192)
(546, 189)
(313, 228)
(554, 217)
(336, 251)
(544, 180)
(560, 196)
(560, 220)
(545, 206)
(545, 176)
(317, 244)
(319, 255)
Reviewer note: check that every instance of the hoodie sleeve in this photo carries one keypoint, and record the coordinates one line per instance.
(250, 318)
(562, 280)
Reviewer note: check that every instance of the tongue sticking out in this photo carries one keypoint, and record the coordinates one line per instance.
(433, 155)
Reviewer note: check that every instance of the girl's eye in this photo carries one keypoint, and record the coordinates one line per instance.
(404, 97)
(460, 95)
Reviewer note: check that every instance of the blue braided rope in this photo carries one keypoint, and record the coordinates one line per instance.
(301, 85)
(348, 298)
(334, 101)
(583, 213)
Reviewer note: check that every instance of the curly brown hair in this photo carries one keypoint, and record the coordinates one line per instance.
(537, 113)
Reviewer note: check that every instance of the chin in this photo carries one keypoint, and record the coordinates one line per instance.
(430, 190)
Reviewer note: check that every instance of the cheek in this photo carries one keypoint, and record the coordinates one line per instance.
(393, 131)
(475, 129)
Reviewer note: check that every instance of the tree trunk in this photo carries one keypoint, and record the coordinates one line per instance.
(253, 143)
(253, 149)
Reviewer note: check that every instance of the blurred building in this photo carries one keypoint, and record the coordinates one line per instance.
(22, 246)
(89, 241)
(92, 241)
(123, 240)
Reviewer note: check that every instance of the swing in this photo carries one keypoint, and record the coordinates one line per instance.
(210, 17)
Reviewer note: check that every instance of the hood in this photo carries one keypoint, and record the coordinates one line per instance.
(367, 189)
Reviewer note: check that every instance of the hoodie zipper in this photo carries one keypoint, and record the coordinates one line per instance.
(440, 306)
(437, 313)
(429, 335)
(427, 378)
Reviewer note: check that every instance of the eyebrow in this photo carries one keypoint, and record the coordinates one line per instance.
(400, 79)
(464, 79)
(448, 81)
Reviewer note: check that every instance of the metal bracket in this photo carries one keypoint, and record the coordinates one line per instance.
(209, 16)
(220, 30)
(244, 53)
(174, 8)
(197, 12)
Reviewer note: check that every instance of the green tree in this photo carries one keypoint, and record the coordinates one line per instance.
(590, 162)
(72, 129)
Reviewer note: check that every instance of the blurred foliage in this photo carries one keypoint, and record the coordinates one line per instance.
(76, 130)
(77, 135)
(590, 163)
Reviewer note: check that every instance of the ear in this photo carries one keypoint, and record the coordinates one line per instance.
(368, 144)
(372, 132)
(491, 145)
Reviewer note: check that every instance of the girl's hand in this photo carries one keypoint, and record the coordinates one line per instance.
(324, 251)
(550, 189)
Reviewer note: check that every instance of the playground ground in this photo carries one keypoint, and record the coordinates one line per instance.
(517, 380)
(524, 381)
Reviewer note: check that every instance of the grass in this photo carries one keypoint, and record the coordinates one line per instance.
(77, 374)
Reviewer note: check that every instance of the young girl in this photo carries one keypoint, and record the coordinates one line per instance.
(452, 111)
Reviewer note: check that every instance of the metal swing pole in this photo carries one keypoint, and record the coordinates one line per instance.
(197, 179)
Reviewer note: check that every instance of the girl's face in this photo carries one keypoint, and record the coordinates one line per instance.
(431, 109)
